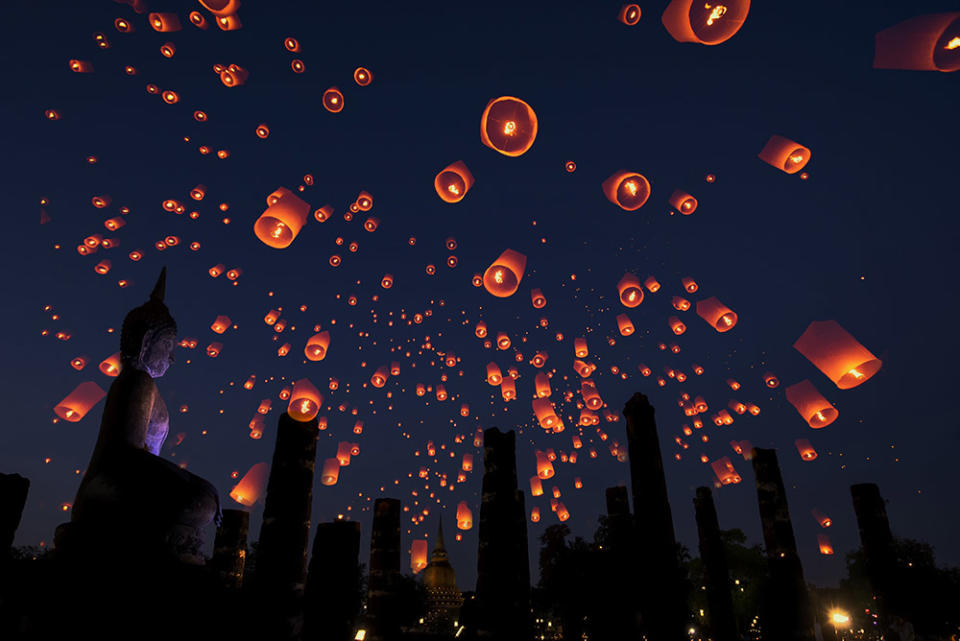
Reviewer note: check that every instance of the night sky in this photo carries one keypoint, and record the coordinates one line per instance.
(868, 240)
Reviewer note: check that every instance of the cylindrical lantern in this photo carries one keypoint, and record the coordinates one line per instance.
(467, 464)
(536, 487)
(251, 486)
(676, 325)
(535, 515)
(453, 182)
(220, 324)
(683, 202)
(344, 453)
(629, 14)
(305, 401)
(80, 401)
(508, 389)
(537, 298)
(330, 472)
(503, 277)
(562, 513)
(508, 125)
(924, 43)
(111, 365)
(707, 23)
(541, 383)
(280, 223)
(717, 315)
(837, 354)
(418, 555)
(821, 518)
(725, 471)
(823, 541)
(464, 516)
(543, 409)
(625, 325)
(317, 345)
(544, 466)
(807, 453)
(481, 329)
(812, 406)
(591, 398)
(627, 190)
(379, 378)
(770, 380)
(785, 154)
(631, 293)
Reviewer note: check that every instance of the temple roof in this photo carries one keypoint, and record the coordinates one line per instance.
(439, 573)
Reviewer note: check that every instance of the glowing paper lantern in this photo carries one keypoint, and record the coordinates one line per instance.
(251, 486)
(562, 513)
(543, 409)
(541, 383)
(234, 76)
(717, 315)
(707, 23)
(591, 398)
(464, 516)
(725, 471)
(629, 14)
(812, 406)
(362, 76)
(80, 401)
(164, 22)
(537, 298)
(625, 325)
(317, 345)
(924, 43)
(631, 294)
(330, 472)
(467, 464)
(112, 365)
(536, 487)
(418, 555)
(333, 100)
(821, 518)
(823, 541)
(280, 223)
(807, 453)
(627, 190)
(785, 154)
(305, 401)
(508, 125)
(676, 325)
(683, 202)
(770, 380)
(503, 277)
(508, 389)
(544, 466)
(379, 378)
(221, 324)
(837, 354)
(453, 182)
(535, 515)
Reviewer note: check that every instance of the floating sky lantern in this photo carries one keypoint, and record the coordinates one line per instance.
(544, 466)
(726, 473)
(785, 154)
(676, 325)
(812, 406)
(251, 486)
(164, 22)
(330, 472)
(81, 66)
(837, 354)
(683, 202)
(823, 542)
(198, 20)
(631, 293)
(706, 23)
(537, 298)
(280, 223)
(317, 346)
(453, 182)
(925, 43)
(79, 402)
(464, 516)
(822, 519)
(502, 278)
(418, 555)
(332, 100)
(625, 325)
(629, 14)
(807, 453)
(627, 190)
(535, 515)
(362, 76)
(508, 125)
(717, 315)
(541, 383)
(305, 401)
(112, 365)
(220, 324)
(380, 376)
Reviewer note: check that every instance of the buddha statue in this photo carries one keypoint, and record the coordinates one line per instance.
(130, 497)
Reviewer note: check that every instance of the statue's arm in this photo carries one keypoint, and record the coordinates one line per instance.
(134, 415)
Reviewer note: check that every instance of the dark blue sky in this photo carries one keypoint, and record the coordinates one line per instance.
(868, 241)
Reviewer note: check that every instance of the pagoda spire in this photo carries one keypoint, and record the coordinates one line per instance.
(439, 549)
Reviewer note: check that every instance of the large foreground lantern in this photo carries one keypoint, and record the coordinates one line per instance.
(812, 406)
(837, 354)
(627, 190)
(305, 400)
(80, 401)
(280, 223)
(784, 154)
(503, 277)
(718, 315)
(707, 23)
(924, 43)
(453, 183)
(508, 125)
(464, 516)
(251, 486)
(544, 466)
(331, 472)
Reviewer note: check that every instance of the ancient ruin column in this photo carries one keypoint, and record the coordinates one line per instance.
(331, 600)
(13, 497)
(230, 548)
(282, 553)
(662, 598)
(619, 613)
(723, 625)
(877, 543)
(382, 622)
(503, 566)
(788, 616)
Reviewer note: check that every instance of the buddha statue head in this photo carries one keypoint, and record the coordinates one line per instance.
(149, 334)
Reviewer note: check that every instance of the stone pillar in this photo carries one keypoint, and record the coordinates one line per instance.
(788, 615)
(723, 625)
(285, 533)
(382, 616)
(13, 497)
(618, 616)
(662, 598)
(332, 594)
(230, 548)
(503, 565)
(877, 543)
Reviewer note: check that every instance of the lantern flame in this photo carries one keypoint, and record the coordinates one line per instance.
(716, 14)
(510, 128)
(953, 44)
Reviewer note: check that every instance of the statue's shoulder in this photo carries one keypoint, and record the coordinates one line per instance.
(135, 383)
